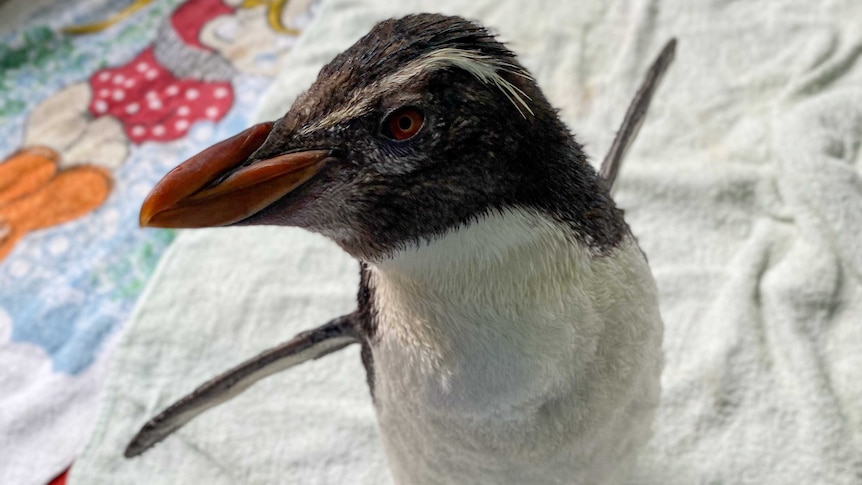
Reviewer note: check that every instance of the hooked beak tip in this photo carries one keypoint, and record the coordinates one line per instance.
(145, 219)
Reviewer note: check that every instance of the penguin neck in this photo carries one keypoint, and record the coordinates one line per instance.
(493, 253)
(484, 306)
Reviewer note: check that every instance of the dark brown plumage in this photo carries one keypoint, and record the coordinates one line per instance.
(476, 153)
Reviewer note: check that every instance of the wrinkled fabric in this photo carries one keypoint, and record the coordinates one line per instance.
(743, 189)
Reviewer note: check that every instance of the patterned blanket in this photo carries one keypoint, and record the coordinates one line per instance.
(743, 188)
(98, 99)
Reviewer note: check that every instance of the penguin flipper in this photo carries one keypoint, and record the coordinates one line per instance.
(313, 344)
(636, 114)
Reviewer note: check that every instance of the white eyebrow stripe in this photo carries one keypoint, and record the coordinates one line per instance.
(484, 68)
(358, 105)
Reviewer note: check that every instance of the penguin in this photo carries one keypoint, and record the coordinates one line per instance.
(508, 320)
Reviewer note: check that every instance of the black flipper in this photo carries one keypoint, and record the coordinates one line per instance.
(636, 114)
(313, 344)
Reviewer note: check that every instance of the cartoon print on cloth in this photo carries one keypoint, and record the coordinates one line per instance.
(66, 287)
(78, 136)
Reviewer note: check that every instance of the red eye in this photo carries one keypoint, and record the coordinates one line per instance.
(403, 123)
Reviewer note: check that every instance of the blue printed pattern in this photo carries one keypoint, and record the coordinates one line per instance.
(68, 287)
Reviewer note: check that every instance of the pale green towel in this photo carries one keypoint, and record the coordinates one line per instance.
(744, 189)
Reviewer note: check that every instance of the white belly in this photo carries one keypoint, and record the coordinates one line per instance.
(508, 353)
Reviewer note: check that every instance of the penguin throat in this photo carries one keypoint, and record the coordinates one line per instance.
(490, 244)
(484, 306)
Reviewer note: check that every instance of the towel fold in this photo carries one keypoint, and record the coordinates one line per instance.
(743, 188)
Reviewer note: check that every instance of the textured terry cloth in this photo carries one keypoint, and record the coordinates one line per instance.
(88, 124)
(743, 189)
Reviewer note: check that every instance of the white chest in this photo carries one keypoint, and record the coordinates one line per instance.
(508, 353)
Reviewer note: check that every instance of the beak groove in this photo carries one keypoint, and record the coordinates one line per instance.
(218, 186)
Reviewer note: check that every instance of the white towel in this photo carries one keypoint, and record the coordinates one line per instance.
(743, 188)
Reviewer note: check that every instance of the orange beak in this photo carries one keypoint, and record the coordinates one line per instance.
(213, 188)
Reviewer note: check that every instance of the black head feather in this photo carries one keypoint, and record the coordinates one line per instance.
(477, 151)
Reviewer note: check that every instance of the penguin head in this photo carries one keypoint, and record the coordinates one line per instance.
(424, 125)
